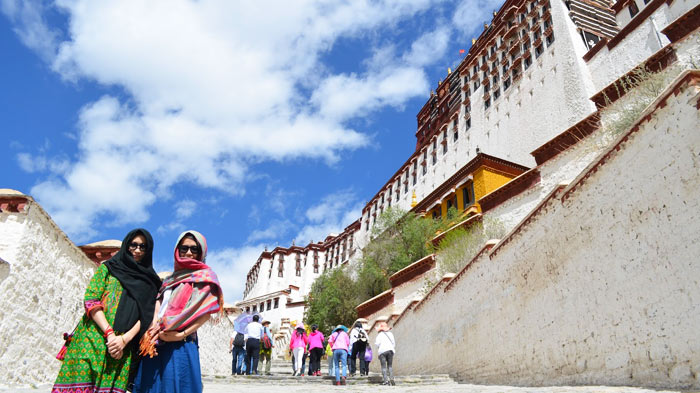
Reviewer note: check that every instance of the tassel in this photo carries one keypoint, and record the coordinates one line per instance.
(62, 352)
(147, 346)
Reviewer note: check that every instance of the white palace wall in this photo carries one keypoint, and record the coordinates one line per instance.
(41, 296)
(598, 286)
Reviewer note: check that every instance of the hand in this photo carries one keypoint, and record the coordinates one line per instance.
(171, 336)
(115, 344)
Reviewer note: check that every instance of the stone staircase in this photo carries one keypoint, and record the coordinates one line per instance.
(282, 375)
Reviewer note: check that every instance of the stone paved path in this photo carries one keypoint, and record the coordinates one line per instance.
(264, 387)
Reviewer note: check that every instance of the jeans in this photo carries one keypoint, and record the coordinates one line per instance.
(358, 350)
(237, 362)
(340, 355)
(252, 353)
(386, 359)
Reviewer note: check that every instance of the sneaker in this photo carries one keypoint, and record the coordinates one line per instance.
(392, 383)
(342, 381)
(336, 383)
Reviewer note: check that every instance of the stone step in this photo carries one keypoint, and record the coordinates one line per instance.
(288, 379)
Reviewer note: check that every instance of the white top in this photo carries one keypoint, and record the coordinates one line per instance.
(385, 342)
(253, 330)
(355, 334)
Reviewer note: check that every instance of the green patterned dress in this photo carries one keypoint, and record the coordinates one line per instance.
(87, 366)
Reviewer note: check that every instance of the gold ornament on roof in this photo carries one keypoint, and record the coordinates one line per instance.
(413, 200)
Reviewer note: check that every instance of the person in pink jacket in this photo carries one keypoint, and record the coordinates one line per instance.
(316, 350)
(340, 342)
(297, 346)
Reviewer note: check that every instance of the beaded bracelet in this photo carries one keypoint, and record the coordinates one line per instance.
(108, 332)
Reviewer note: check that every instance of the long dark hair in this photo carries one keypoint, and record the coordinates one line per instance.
(300, 332)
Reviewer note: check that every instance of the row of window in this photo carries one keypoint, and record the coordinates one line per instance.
(271, 303)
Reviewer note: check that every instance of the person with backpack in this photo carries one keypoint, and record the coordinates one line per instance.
(358, 345)
(266, 347)
(316, 350)
(386, 347)
(237, 348)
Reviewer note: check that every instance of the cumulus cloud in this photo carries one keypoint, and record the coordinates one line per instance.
(30, 25)
(231, 266)
(330, 216)
(211, 89)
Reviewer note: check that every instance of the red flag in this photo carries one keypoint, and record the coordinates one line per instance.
(461, 51)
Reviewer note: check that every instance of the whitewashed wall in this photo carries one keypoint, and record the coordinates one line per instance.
(598, 289)
(214, 337)
(41, 296)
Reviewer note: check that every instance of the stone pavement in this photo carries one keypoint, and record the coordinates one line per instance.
(299, 387)
(283, 381)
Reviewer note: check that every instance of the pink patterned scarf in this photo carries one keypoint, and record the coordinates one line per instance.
(193, 290)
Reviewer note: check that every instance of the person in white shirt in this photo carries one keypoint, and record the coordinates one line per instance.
(386, 346)
(253, 333)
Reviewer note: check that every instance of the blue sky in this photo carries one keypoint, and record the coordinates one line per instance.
(256, 123)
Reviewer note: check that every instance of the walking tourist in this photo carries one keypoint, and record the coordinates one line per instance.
(119, 305)
(185, 302)
(358, 345)
(316, 350)
(329, 355)
(253, 334)
(297, 345)
(237, 348)
(266, 345)
(340, 342)
(386, 347)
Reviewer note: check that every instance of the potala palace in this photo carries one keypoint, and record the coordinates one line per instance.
(596, 280)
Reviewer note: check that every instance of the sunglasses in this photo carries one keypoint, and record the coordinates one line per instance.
(184, 249)
(140, 246)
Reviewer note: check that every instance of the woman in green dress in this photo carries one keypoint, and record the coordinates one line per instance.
(119, 305)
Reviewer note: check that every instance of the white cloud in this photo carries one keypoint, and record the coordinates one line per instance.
(275, 230)
(470, 15)
(331, 215)
(231, 266)
(214, 87)
(30, 27)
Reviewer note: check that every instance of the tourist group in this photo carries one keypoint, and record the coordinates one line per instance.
(341, 347)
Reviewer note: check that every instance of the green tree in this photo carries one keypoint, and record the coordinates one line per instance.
(332, 300)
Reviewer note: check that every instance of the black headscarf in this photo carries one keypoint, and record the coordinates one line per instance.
(140, 283)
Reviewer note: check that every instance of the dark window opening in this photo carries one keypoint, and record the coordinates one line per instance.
(538, 51)
(634, 10)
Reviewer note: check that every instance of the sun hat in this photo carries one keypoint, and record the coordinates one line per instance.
(299, 326)
(341, 327)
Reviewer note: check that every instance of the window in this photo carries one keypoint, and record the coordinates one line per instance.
(549, 40)
(487, 104)
(505, 68)
(506, 84)
(277, 302)
(262, 306)
(538, 51)
(247, 309)
(414, 178)
(280, 267)
(476, 84)
(425, 167)
(255, 308)
(467, 124)
(269, 305)
(495, 79)
(634, 10)
(475, 69)
(434, 157)
(298, 266)
(466, 197)
(589, 39)
(528, 62)
(496, 94)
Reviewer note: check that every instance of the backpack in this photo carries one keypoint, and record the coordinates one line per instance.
(239, 340)
(361, 335)
(265, 342)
